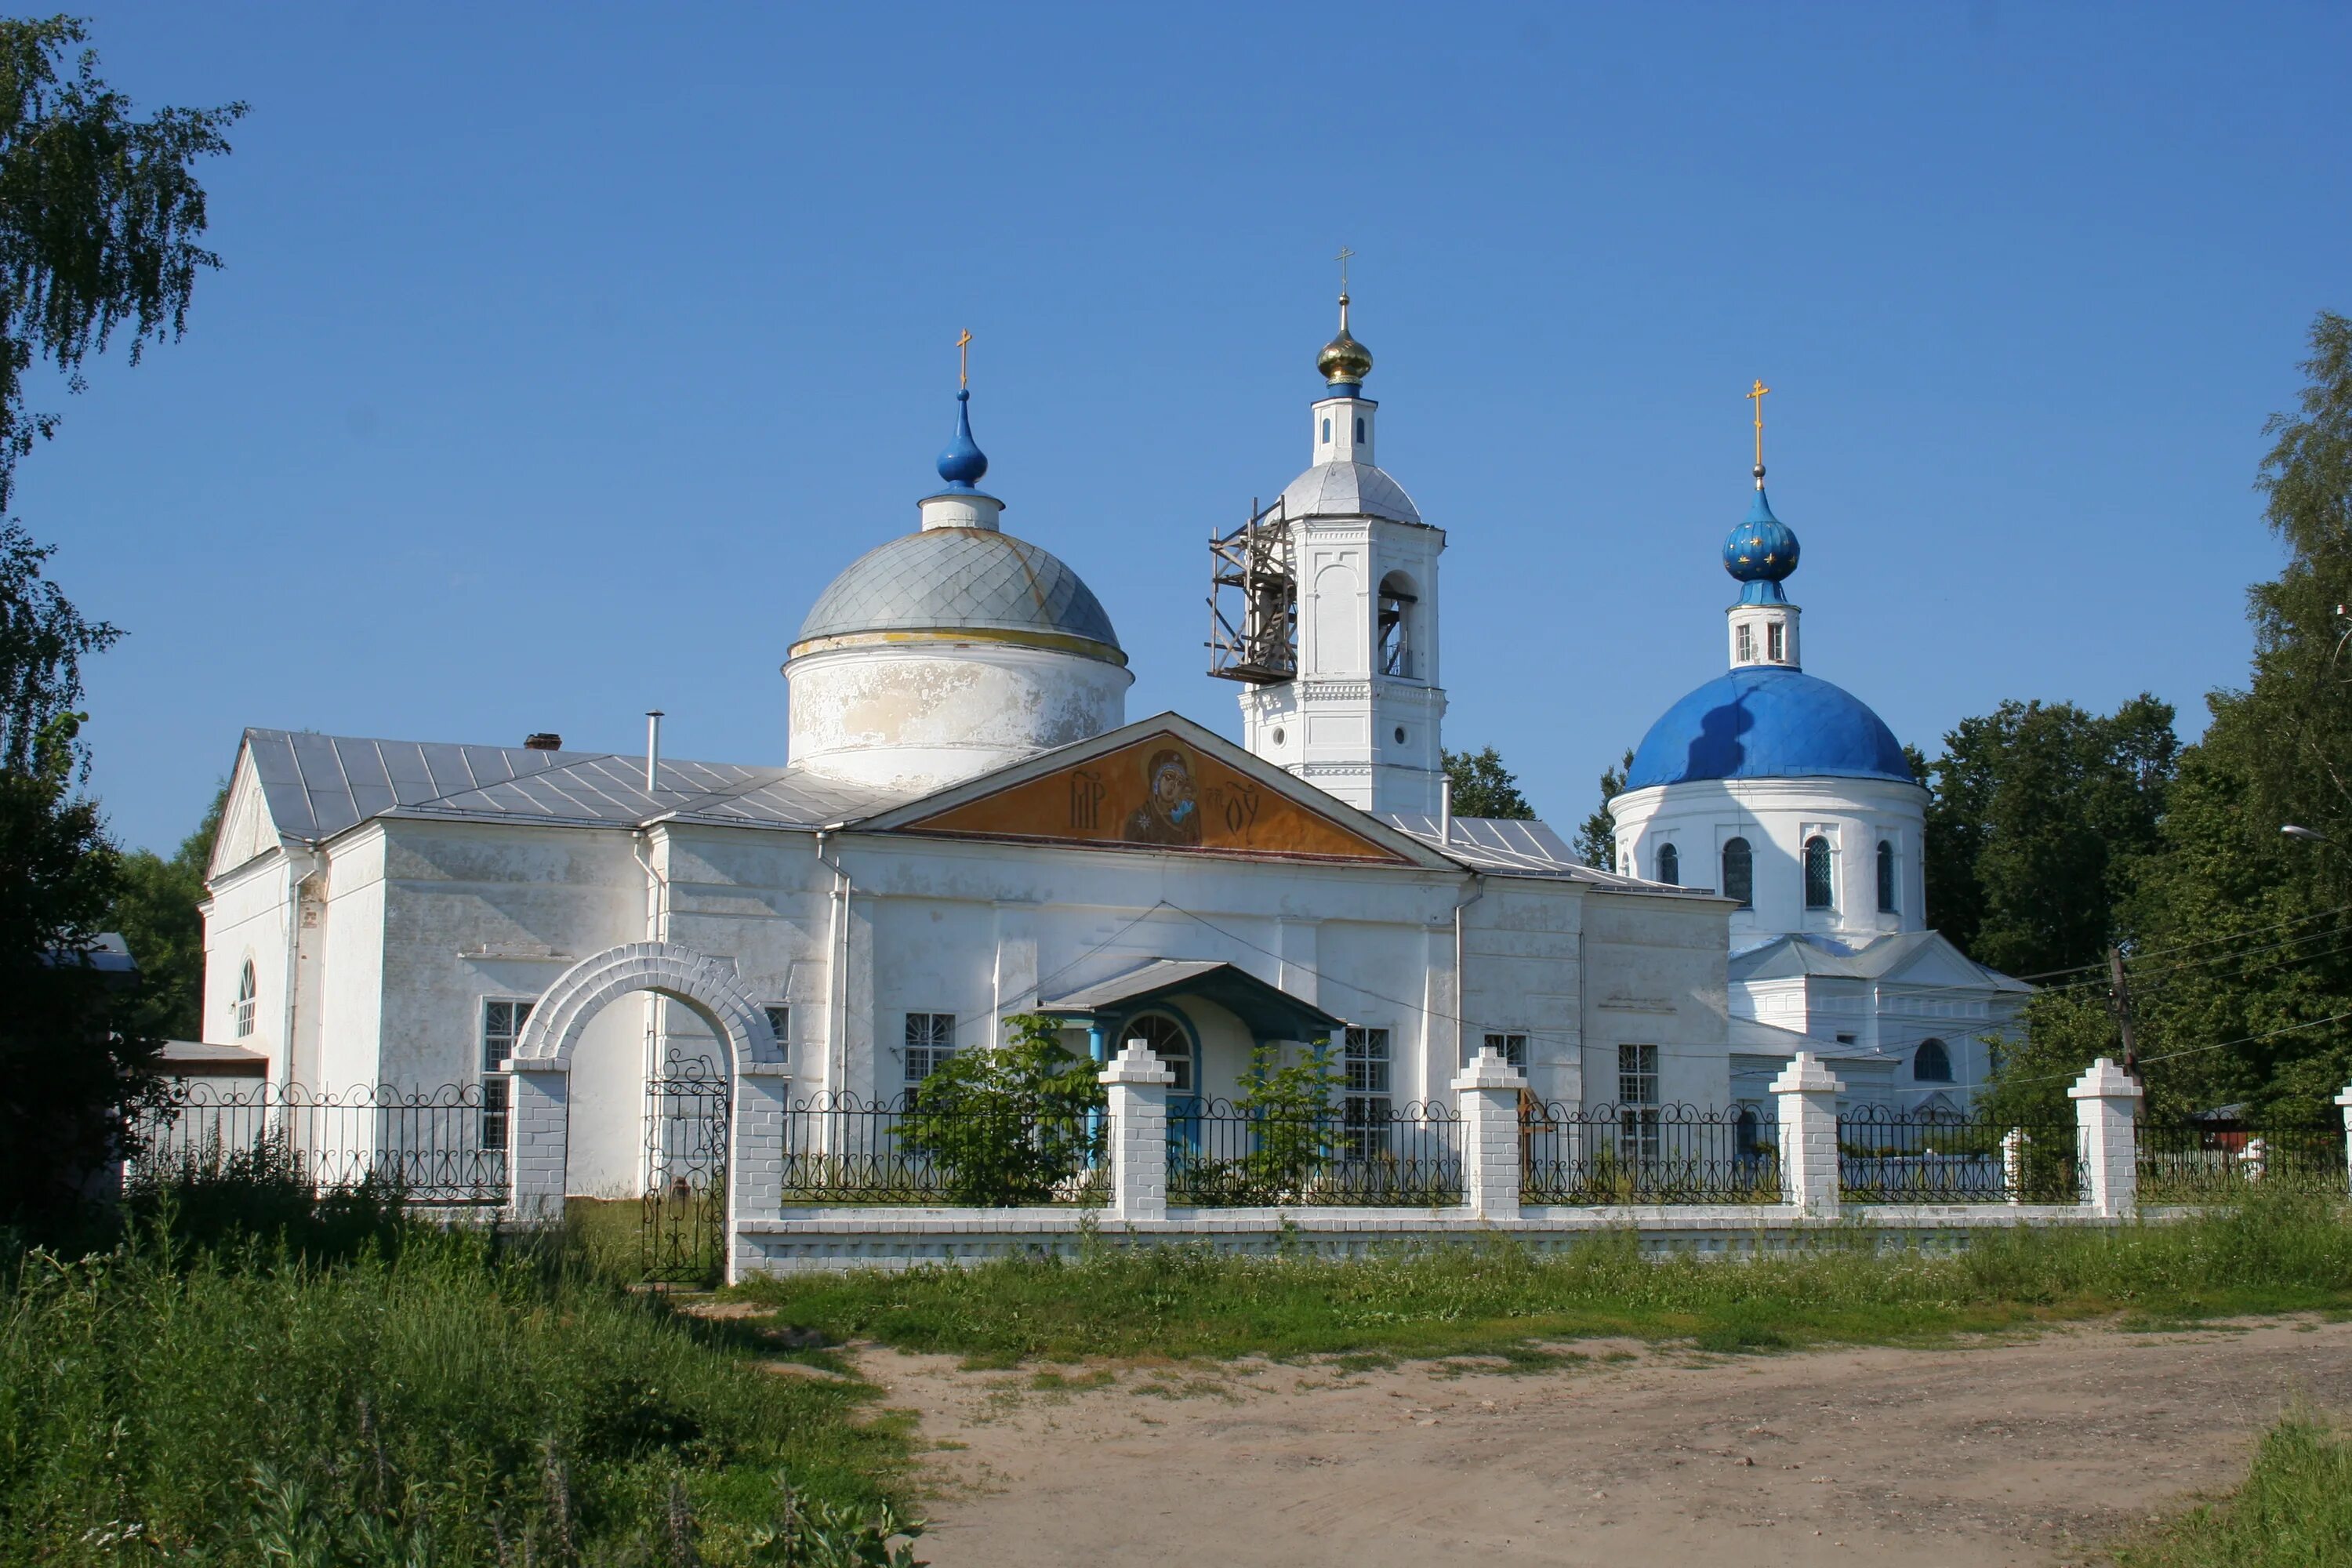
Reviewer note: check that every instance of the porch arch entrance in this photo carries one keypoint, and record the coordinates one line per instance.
(704, 1131)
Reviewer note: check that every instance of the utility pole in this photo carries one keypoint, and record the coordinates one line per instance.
(2120, 998)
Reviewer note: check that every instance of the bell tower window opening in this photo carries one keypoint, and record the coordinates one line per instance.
(1744, 644)
(1740, 872)
(1776, 643)
(1396, 611)
(1820, 886)
(1327, 430)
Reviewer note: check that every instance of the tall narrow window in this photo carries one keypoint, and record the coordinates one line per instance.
(1776, 643)
(1740, 873)
(1326, 432)
(1885, 878)
(502, 1022)
(1670, 864)
(1637, 1103)
(1820, 887)
(1365, 1112)
(1397, 600)
(1743, 644)
(930, 1041)
(246, 1000)
(779, 1024)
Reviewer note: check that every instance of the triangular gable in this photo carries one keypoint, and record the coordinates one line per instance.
(1164, 785)
(247, 828)
(1935, 960)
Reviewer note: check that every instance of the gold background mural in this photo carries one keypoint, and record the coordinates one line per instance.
(1161, 794)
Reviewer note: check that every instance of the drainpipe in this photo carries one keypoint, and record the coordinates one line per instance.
(657, 929)
(299, 867)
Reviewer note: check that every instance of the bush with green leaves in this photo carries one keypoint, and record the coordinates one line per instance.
(1018, 1122)
(1291, 1128)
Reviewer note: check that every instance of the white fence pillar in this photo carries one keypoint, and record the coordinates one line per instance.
(1487, 1091)
(538, 1138)
(1808, 1093)
(1137, 1083)
(2106, 1108)
(2013, 1163)
(755, 1160)
(2345, 1099)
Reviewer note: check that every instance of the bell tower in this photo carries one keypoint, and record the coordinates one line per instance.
(1335, 633)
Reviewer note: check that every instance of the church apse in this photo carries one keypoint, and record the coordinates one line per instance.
(1156, 793)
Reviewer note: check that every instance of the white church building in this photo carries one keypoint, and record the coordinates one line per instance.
(1792, 799)
(964, 825)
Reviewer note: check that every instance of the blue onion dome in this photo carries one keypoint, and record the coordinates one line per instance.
(1760, 551)
(962, 463)
(1767, 721)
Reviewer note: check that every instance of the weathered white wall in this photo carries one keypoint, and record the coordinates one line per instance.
(1656, 969)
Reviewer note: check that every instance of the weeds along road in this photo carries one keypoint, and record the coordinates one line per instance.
(2036, 1451)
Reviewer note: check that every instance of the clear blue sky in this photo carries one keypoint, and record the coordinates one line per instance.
(562, 356)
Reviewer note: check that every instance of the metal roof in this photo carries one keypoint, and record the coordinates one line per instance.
(1347, 489)
(1763, 722)
(1270, 1012)
(1881, 958)
(1519, 848)
(319, 785)
(951, 579)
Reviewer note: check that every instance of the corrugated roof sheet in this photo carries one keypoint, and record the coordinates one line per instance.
(1521, 849)
(1784, 957)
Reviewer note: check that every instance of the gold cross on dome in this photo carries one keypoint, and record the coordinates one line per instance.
(1342, 260)
(1757, 397)
(963, 359)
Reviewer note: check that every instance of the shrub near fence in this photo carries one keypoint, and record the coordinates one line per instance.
(2189, 1162)
(1887, 1154)
(840, 1148)
(1221, 1155)
(435, 1146)
(1645, 1154)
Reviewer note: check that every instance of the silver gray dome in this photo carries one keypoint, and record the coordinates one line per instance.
(1347, 489)
(952, 579)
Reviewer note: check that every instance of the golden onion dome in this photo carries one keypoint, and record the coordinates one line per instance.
(1343, 359)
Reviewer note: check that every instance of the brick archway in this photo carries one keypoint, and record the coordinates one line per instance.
(702, 985)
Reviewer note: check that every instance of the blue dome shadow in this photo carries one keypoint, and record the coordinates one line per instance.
(1716, 752)
(1767, 721)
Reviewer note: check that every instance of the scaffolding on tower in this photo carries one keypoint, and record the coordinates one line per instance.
(1259, 642)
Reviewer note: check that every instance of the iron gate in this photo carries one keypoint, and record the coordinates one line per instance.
(682, 1234)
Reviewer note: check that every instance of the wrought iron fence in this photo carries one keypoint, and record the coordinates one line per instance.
(682, 1218)
(2194, 1162)
(1365, 1152)
(1645, 1154)
(1887, 1154)
(840, 1148)
(445, 1145)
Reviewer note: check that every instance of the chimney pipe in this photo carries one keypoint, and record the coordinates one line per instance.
(1445, 811)
(542, 740)
(653, 749)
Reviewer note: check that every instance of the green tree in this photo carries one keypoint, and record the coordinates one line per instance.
(99, 216)
(1596, 841)
(1482, 786)
(1010, 1124)
(155, 912)
(2038, 814)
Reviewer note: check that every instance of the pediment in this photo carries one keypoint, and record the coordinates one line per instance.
(247, 830)
(1173, 787)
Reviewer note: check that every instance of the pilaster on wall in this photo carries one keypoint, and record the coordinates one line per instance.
(755, 1163)
(2106, 1109)
(1807, 1095)
(1136, 1081)
(539, 1136)
(1487, 1091)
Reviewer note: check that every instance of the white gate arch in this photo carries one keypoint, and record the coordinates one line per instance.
(540, 1122)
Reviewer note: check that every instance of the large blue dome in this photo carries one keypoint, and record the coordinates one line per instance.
(1767, 722)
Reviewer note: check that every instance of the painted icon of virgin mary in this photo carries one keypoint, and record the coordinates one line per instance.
(1170, 812)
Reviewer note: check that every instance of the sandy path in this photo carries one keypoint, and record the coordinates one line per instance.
(2022, 1453)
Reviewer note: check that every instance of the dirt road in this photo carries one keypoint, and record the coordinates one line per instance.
(2033, 1452)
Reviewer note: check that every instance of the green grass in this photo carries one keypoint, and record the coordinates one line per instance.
(376, 1390)
(2275, 1256)
(2294, 1510)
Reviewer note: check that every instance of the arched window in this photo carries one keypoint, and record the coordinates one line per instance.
(1670, 866)
(1168, 1041)
(1397, 600)
(1326, 431)
(245, 1002)
(1885, 878)
(1359, 431)
(1820, 888)
(1740, 873)
(1931, 1063)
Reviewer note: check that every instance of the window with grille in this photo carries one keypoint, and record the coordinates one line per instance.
(1776, 642)
(1745, 644)
(502, 1022)
(1512, 1048)
(245, 999)
(779, 1024)
(1932, 1062)
(1885, 878)
(1637, 1102)
(1670, 864)
(1366, 1109)
(1819, 885)
(930, 1041)
(1740, 873)
(1169, 1042)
